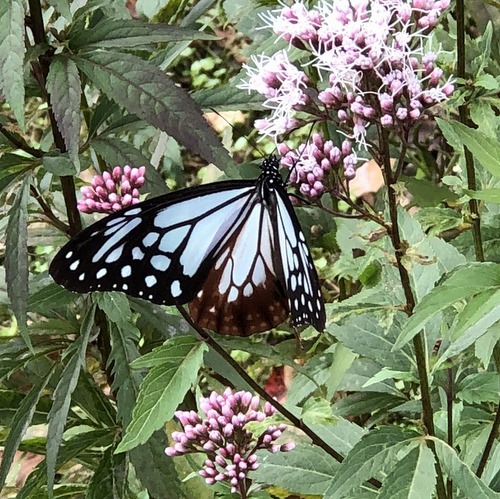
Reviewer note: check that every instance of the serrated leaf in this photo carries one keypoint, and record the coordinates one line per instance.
(228, 98)
(165, 354)
(482, 147)
(16, 257)
(306, 469)
(428, 194)
(110, 33)
(461, 475)
(62, 6)
(12, 49)
(70, 449)
(19, 425)
(109, 480)
(163, 389)
(488, 195)
(11, 167)
(64, 87)
(464, 282)
(480, 387)
(342, 436)
(60, 164)
(413, 478)
(366, 336)
(62, 395)
(150, 94)
(481, 312)
(376, 451)
(114, 304)
(164, 482)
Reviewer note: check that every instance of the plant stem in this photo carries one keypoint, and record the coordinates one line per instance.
(297, 422)
(40, 70)
(418, 340)
(449, 413)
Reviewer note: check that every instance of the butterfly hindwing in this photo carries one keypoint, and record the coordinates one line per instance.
(242, 294)
(158, 250)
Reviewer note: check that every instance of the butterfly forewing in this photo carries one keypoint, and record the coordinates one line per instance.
(158, 250)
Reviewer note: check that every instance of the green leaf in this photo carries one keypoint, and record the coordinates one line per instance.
(75, 360)
(488, 195)
(89, 397)
(150, 94)
(124, 33)
(64, 87)
(306, 470)
(70, 449)
(413, 478)
(60, 164)
(62, 6)
(164, 481)
(482, 147)
(464, 282)
(11, 167)
(17, 428)
(228, 98)
(428, 194)
(164, 387)
(480, 387)
(342, 436)
(16, 257)
(461, 475)
(12, 49)
(375, 452)
(115, 305)
(366, 336)
(110, 477)
(484, 345)
(474, 320)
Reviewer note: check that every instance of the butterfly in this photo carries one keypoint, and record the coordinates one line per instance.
(232, 250)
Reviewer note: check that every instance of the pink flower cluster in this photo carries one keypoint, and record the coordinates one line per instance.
(311, 163)
(113, 191)
(361, 63)
(222, 436)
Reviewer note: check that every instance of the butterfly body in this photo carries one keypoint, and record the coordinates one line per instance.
(233, 250)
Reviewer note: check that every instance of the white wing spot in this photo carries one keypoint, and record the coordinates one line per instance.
(248, 290)
(150, 281)
(137, 253)
(126, 271)
(115, 254)
(74, 265)
(150, 239)
(81, 277)
(125, 287)
(293, 282)
(69, 254)
(141, 293)
(301, 237)
(233, 294)
(101, 273)
(135, 211)
(160, 262)
(175, 289)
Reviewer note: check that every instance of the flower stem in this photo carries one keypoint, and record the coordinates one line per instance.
(418, 340)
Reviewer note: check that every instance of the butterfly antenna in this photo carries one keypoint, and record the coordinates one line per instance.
(252, 143)
(301, 151)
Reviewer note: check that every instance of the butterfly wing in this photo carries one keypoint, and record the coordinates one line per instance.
(297, 267)
(160, 249)
(242, 294)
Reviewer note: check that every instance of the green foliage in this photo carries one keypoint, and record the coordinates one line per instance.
(92, 383)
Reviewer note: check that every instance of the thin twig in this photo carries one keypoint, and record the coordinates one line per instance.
(297, 422)
(48, 212)
(40, 69)
(20, 143)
